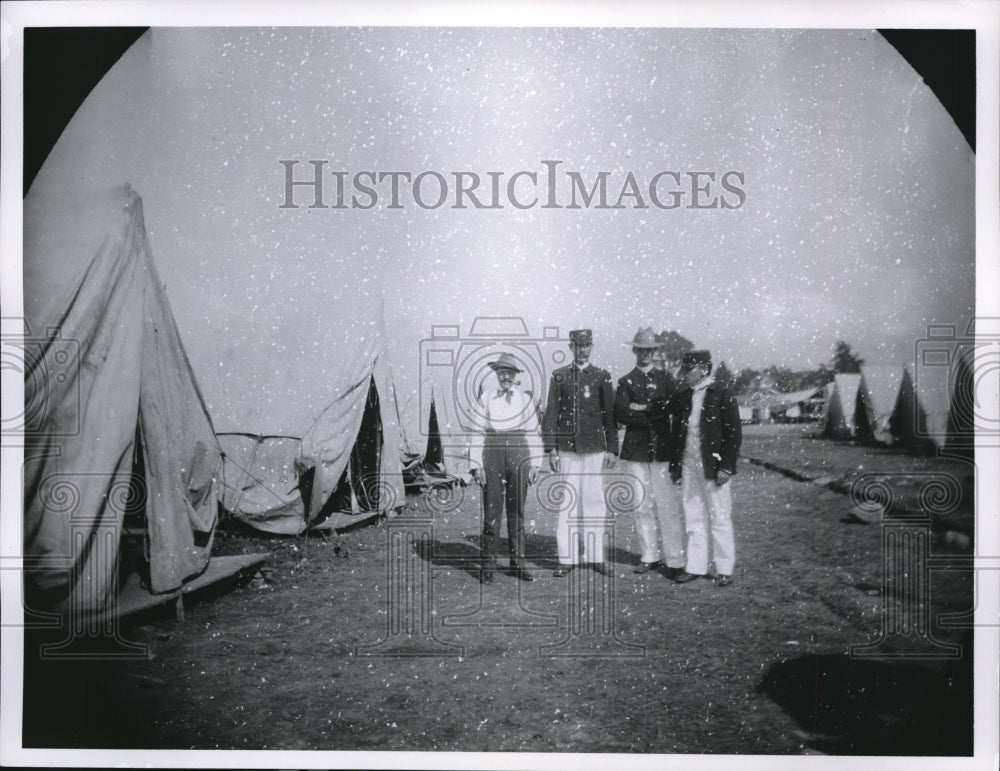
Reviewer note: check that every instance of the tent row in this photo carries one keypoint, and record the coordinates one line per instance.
(805, 404)
(120, 438)
(931, 405)
(117, 435)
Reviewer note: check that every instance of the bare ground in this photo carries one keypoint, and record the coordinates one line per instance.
(322, 656)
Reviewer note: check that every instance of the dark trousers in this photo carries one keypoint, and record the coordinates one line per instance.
(505, 465)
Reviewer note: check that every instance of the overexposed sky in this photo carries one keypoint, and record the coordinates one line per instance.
(858, 220)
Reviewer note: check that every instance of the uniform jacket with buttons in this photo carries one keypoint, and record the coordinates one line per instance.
(719, 424)
(579, 416)
(649, 388)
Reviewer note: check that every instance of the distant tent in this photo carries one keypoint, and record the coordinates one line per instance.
(827, 393)
(908, 422)
(116, 427)
(920, 418)
(755, 407)
(796, 405)
(442, 442)
(938, 404)
(349, 460)
(882, 383)
(966, 402)
(841, 405)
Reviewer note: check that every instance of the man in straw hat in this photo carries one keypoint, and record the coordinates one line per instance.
(658, 517)
(581, 439)
(704, 425)
(504, 460)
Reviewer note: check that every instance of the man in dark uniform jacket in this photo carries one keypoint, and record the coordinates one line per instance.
(705, 438)
(581, 439)
(659, 522)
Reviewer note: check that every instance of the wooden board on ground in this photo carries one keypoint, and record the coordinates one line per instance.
(342, 521)
(134, 599)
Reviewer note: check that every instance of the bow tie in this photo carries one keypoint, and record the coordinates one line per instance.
(508, 395)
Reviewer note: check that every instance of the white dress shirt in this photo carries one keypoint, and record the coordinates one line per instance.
(506, 411)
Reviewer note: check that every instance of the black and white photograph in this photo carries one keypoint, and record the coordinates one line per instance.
(459, 385)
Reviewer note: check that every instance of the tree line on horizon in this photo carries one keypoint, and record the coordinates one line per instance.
(773, 376)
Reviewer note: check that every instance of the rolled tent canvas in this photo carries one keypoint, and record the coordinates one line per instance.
(109, 361)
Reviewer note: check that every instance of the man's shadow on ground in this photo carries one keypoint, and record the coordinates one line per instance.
(539, 551)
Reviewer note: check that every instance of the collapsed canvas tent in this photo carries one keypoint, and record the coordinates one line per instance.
(259, 481)
(115, 424)
(841, 406)
(348, 460)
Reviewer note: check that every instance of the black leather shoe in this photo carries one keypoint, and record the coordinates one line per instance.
(598, 567)
(672, 573)
(518, 570)
(684, 577)
(645, 567)
(723, 580)
(562, 571)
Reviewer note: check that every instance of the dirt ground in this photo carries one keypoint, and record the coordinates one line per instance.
(382, 638)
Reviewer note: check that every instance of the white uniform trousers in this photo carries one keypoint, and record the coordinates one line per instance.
(707, 507)
(659, 517)
(583, 513)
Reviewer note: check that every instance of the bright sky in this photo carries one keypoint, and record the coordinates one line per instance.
(858, 221)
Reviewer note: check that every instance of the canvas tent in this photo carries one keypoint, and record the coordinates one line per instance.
(348, 460)
(773, 404)
(115, 422)
(796, 405)
(842, 400)
(939, 403)
(350, 457)
(259, 481)
(441, 445)
(882, 382)
(756, 407)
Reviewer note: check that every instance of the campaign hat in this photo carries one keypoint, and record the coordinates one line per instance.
(645, 338)
(505, 361)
